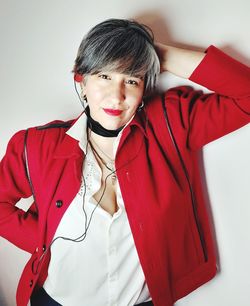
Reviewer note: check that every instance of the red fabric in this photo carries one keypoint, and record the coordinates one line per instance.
(176, 258)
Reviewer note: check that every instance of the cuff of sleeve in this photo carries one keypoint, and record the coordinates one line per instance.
(221, 73)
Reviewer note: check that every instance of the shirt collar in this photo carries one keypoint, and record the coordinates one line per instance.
(78, 132)
(79, 128)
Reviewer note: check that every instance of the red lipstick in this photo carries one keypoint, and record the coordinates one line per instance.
(112, 112)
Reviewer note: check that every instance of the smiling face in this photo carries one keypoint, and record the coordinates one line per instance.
(113, 98)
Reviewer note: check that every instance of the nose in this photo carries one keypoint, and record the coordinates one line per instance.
(117, 93)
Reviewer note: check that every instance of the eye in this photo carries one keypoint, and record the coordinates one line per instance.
(104, 76)
(132, 82)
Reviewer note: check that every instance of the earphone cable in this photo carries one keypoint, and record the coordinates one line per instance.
(87, 224)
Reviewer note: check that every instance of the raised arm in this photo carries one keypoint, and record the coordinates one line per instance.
(181, 62)
(207, 117)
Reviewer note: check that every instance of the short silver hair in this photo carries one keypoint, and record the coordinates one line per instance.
(120, 45)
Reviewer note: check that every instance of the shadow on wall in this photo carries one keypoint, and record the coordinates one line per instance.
(236, 54)
(161, 30)
(3, 302)
(162, 34)
(157, 23)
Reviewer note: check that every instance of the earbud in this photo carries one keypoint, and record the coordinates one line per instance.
(78, 77)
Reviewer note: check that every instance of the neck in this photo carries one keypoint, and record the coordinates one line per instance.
(106, 144)
(97, 128)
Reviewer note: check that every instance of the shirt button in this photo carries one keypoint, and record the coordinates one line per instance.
(113, 277)
(44, 248)
(31, 282)
(112, 251)
(59, 203)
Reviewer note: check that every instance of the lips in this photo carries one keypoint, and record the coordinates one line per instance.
(112, 112)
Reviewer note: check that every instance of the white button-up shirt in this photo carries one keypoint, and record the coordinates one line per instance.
(104, 268)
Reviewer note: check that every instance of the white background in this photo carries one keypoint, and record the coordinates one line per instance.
(39, 40)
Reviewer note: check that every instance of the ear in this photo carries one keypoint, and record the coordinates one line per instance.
(78, 77)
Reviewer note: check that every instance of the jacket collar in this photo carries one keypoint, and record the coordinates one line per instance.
(74, 141)
(68, 147)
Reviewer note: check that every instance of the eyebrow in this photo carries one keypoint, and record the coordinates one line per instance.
(138, 76)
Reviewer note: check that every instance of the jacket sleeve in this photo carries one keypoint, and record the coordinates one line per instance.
(17, 226)
(210, 116)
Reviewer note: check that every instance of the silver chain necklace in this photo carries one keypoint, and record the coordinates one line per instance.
(110, 165)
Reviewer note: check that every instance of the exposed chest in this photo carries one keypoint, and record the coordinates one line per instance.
(106, 196)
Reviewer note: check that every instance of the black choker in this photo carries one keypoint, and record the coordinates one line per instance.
(97, 128)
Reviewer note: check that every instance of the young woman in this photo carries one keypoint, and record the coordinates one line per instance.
(118, 215)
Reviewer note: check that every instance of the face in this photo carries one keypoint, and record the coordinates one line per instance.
(113, 98)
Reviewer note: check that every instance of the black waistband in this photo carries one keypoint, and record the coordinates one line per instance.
(41, 298)
(149, 303)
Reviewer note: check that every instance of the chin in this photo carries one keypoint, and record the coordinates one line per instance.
(113, 126)
(113, 123)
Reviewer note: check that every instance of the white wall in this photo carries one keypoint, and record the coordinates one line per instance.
(39, 40)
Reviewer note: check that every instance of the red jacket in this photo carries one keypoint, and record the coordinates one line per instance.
(172, 236)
